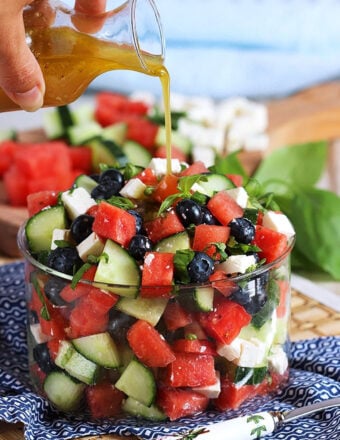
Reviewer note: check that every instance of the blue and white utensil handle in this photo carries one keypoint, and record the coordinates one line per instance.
(241, 428)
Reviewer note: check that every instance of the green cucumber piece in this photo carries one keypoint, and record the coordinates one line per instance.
(137, 409)
(84, 181)
(173, 243)
(149, 309)
(106, 152)
(249, 376)
(138, 382)
(75, 364)
(100, 349)
(119, 268)
(181, 142)
(83, 113)
(83, 133)
(57, 121)
(7, 135)
(214, 183)
(115, 132)
(39, 228)
(198, 299)
(137, 154)
(65, 393)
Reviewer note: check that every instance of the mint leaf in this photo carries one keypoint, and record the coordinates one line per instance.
(181, 260)
(229, 164)
(121, 202)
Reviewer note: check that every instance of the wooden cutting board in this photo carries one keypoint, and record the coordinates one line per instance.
(310, 115)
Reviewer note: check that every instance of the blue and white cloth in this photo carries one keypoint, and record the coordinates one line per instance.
(252, 48)
(315, 376)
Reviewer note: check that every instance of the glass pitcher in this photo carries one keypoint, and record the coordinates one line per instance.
(74, 48)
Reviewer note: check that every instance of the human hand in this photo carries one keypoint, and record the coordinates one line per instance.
(20, 75)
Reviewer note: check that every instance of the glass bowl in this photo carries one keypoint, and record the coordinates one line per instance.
(176, 351)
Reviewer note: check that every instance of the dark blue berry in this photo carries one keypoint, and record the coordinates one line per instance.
(42, 357)
(207, 217)
(105, 190)
(119, 324)
(81, 227)
(189, 212)
(200, 268)
(113, 175)
(139, 220)
(253, 295)
(52, 289)
(242, 230)
(139, 245)
(64, 260)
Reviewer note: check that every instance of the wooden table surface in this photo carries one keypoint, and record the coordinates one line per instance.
(311, 115)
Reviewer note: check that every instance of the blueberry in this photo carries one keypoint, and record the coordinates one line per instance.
(189, 212)
(113, 175)
(81, 227)
(139, 245)
(52, 289)
(139, 220)
(119, 324)
(106, 189)
(95, 177)
(242, 230)
(42, 357)
(65, 260)
(253, 295)
(207, 217)
(200, 267)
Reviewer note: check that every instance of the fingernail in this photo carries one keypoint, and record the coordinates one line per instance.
(31, 100)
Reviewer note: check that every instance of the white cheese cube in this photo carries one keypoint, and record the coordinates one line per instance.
(37, 334)
(240, 196)
(211, 391)
(278, 360)
(77, 202)
(231, 351)
(257, 142)
(159, 166)
(133, 189)
(253, 352)
(203, 154)
(59, 234)
(237, 264)
(92, 245)
(278, 222)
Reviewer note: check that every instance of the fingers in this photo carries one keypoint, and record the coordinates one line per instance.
(20, 75)
(92, 7)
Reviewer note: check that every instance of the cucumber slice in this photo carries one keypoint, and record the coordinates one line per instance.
(138, 382)
(177, 139)
(106, 152)
(39, 228)
(115, 133)
(137, 409)
(214, 183)
(119, 268)
(83, 133)
(7, 134)
(149, 309)
(63, 391)
(76, 364)
(137, 154)
(199, 299)
(84, 181)
(100, 349)
(173, 243)
(57, 121)
(249, 376)
(83, 113)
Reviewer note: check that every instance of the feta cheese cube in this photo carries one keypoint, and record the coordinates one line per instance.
(204, 154)
(59, 234)
(277, 359)
(38, 334)
(159, 166)
(133, 189)
(231, 351)
(77, 202)
(278, 222)
(256, 142)
(243, 352)
(211, 391)
(92, 245)
(237, 263)
(240, 196)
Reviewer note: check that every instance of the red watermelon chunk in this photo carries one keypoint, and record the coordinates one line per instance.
(163, 226)
(178, 403)
(272, 243)
(224, 207)
(158, 271)
(205, 235)
(114, 223)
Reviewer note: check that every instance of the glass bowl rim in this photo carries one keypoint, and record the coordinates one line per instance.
(248, 276)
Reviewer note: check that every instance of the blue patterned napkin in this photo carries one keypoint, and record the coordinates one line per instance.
(315, 376)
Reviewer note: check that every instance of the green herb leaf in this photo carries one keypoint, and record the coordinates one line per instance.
(121, 202)
(261, 317)
(229, 164)
(62, 243)
(181, 260)
(44, 313)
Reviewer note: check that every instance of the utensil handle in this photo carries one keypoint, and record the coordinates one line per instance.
(241, 428)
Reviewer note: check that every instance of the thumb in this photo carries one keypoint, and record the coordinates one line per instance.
(20, 75)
